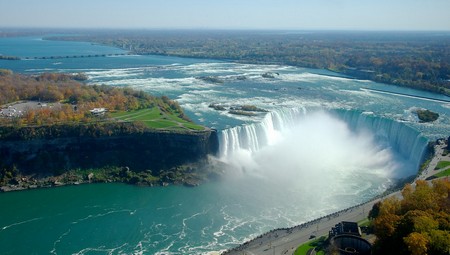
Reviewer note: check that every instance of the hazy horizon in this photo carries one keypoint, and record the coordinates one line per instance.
(383, 15)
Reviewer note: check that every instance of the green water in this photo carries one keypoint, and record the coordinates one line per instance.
(124, 219)
(99, 219)
(281, 192)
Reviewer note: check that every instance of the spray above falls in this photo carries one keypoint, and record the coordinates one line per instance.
(300, 142)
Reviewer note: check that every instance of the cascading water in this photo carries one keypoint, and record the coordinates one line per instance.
(240, 144)
(407, 141)
(255, 136)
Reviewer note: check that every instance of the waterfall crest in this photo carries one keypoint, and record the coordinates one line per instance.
(403, 139)
(399, 137)
(255, 136)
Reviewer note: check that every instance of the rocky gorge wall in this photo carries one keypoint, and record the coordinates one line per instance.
(148, 150)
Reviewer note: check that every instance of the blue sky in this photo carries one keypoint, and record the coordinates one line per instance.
(229, 14)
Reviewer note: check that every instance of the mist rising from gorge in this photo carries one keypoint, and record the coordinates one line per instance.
(315, 155)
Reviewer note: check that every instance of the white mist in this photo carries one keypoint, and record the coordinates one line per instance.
(312, 159)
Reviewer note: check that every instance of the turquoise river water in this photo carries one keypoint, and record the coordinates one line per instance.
(328, 142)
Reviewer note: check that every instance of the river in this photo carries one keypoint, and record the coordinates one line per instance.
(327, 143)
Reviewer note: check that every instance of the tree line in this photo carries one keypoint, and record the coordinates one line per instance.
(417, 60)
(75, 98)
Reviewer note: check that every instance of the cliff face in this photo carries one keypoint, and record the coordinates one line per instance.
(150, 150)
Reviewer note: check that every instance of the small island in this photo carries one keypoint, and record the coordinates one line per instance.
(269, 75)
(210, 79)
(9, 57)
(244, 110)
(427, 115)
(217, 107)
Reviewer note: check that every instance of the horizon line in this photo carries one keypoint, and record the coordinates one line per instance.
(219, 29)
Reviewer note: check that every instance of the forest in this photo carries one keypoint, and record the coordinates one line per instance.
(71, 100)
(418, 60)
(418, 224)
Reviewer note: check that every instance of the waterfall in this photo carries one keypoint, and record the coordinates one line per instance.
(404, 140)
(253, 137)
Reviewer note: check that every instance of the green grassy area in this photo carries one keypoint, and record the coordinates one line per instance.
(442, 164)
(364, 223)
(304, 248)
(154, 118)
(443, 173)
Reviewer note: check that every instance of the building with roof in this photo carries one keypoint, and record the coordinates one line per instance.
(98, 111)
(345, 239)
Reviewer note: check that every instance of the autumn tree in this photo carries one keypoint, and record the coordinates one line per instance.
(70, 94)
(419, 223)
(417, 243)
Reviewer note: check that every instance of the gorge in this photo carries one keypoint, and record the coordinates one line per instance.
(326, 144)
(344, 157)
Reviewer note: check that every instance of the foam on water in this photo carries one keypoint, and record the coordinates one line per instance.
(287, 168)
(285, 154)
(20, 223)
(293, 87)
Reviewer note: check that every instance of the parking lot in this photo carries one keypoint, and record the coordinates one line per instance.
(18, 109)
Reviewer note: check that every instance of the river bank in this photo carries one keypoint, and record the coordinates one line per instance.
(148, 158)
(384, 59)
(189, 175)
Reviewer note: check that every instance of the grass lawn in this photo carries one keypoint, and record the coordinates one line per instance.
(443, 173)
(142, 114)
(442, 164)
(304, 248)
(364, 223)
(154, 118)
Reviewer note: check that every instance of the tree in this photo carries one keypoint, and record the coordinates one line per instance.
(439, 242)
(417, 224)
(417, 243)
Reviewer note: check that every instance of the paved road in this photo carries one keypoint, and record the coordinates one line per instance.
(429, 171)
(285, 241)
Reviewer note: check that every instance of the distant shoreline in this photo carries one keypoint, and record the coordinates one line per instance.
(181, 49)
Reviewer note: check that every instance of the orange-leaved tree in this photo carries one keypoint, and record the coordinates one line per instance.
(419, 223)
